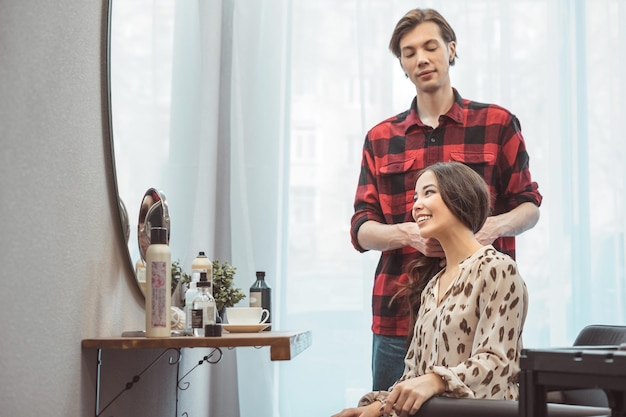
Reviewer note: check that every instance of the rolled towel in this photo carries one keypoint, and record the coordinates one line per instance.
(177, 318)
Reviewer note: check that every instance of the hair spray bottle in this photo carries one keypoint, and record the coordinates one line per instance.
(158, 284)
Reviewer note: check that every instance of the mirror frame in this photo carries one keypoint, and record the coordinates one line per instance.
(122, 214)
(124, 220)
(157, 213)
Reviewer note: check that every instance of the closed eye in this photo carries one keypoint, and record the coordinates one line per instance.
(427, 192)
(431, 45)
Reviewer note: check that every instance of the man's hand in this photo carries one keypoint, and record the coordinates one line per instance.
(428, 247)
(383, 237)
(512, 223)
(489, 232)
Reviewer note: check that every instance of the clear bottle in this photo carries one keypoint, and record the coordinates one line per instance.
(203, 309)
(202, 264)
(158, 284)
(261, 295)
(190, 294)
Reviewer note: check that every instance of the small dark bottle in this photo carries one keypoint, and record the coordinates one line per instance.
(261, 295)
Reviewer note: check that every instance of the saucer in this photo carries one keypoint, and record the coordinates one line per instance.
(244, 328)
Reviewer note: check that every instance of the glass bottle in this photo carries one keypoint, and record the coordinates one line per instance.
(190, 295)
(261, 295)
(202, 264)
(203, 309)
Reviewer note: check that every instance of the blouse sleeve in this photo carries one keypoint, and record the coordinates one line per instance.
(370, 397)
(493, 363)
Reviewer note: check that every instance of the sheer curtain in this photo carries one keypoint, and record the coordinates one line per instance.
(556, 64)
(299, 82)
(170, 131)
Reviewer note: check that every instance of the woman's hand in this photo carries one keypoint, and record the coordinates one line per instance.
(371, 410)
(408, 396)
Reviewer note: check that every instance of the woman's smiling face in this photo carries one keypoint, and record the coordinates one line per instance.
(430, 212)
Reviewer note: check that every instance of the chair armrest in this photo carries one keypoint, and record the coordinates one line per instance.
(463, 407)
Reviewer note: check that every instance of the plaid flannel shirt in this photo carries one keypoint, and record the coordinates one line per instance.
(485, 137)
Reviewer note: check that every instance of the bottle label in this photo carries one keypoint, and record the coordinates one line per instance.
(209, 315)
(196, 318)
(158, 278)
(262, 297)
(195, 274)
(189, 296)
(256, 299)
(200, 317)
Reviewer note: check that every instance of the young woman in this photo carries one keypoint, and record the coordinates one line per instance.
(466, 340)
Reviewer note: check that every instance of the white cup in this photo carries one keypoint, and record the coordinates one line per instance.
(246, 315)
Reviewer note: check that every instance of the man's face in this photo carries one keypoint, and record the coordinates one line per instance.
(425, 57)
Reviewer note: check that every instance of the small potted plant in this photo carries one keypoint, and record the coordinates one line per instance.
(224, 291)
(179, 276)
(180, 284)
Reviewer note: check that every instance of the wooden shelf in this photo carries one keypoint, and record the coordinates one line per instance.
(283, 346)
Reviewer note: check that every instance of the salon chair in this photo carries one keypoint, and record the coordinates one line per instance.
(463, 407)
(592, 337)
(566, 403)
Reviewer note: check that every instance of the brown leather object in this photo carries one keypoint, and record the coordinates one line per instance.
(463, 407)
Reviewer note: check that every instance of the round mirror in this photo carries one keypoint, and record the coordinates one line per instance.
(140, 73)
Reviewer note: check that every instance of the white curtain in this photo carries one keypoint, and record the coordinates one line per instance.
(168, 127)
(287, 93)
(555, 64)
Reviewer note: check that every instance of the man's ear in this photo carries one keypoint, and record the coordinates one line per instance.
(452, 49)
(403, 70)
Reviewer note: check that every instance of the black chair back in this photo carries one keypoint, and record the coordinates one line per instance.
(595, 335)
(599, 334)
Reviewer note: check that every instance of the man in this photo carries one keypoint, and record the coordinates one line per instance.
(439, 126)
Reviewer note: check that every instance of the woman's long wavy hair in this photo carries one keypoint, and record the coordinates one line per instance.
(466, 195)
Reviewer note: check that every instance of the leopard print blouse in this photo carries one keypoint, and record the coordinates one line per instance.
(472, 339)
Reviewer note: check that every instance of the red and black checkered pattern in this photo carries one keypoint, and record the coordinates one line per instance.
(486, 137)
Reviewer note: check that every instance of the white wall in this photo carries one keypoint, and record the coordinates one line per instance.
(63, 275)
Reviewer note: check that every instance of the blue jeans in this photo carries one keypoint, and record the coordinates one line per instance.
(387, 360)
